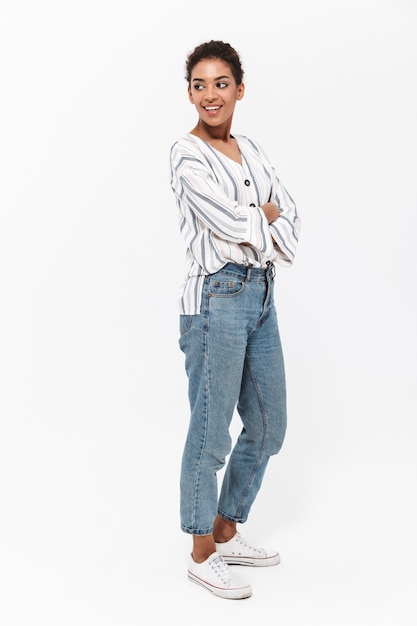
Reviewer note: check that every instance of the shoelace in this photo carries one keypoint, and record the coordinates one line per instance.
(221, 569)
(245, 544)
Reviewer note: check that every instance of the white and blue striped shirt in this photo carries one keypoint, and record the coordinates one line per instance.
(220, 216)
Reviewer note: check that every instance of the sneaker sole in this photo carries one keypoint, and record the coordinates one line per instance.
(242, 560)
(229, 594)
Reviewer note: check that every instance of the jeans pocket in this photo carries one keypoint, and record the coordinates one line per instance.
(185, 323)
(225, 287)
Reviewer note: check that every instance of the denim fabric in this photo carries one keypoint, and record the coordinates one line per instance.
(233, 359)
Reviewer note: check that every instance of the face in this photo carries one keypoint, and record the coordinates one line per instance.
(213, 91)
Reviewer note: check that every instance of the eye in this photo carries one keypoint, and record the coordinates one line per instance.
(198, 87)
(221, 85)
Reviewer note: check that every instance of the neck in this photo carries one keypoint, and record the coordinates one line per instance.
(213, 133)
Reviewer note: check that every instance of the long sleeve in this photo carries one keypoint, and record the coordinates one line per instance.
(285, 230)
(204, 198)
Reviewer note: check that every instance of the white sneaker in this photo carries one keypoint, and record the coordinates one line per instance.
(237, 551)
(214, 575)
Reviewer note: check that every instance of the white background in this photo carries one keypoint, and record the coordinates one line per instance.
(93, 392)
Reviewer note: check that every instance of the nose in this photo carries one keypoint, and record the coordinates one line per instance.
(211, 93)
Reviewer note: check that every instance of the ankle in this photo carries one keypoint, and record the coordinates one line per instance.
(199, 556)
(222, 538)
(224, 530)
(203, 547)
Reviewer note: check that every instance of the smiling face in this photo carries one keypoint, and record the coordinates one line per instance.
(214, 92)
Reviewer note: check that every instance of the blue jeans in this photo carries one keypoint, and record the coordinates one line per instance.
(233, 359)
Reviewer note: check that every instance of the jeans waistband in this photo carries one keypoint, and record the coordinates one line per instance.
(248, 272)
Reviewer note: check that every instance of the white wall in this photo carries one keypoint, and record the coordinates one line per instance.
(93, 393)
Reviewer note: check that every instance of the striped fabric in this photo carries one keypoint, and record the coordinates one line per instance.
(220, 218)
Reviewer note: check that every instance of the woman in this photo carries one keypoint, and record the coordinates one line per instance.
(237, 219)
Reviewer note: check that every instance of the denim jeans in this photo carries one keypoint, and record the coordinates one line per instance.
(233, 360)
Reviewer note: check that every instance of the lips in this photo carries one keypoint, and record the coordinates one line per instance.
(212, 111)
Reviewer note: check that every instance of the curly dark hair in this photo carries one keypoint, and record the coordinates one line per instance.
(215, 49)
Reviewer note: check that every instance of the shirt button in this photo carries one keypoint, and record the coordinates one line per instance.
(247, 182)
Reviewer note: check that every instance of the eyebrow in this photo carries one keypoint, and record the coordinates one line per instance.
(201, 80)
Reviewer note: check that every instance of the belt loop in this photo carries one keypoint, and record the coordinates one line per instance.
(271, 270)
(248, 273)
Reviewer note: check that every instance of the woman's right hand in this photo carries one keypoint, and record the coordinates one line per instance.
(271, 211)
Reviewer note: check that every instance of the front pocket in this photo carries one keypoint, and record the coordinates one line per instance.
(225, 287)
(185, 323)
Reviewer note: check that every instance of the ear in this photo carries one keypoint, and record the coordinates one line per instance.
(240, 91)
(190, 97)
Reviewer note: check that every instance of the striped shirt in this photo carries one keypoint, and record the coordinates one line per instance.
(219, 212)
